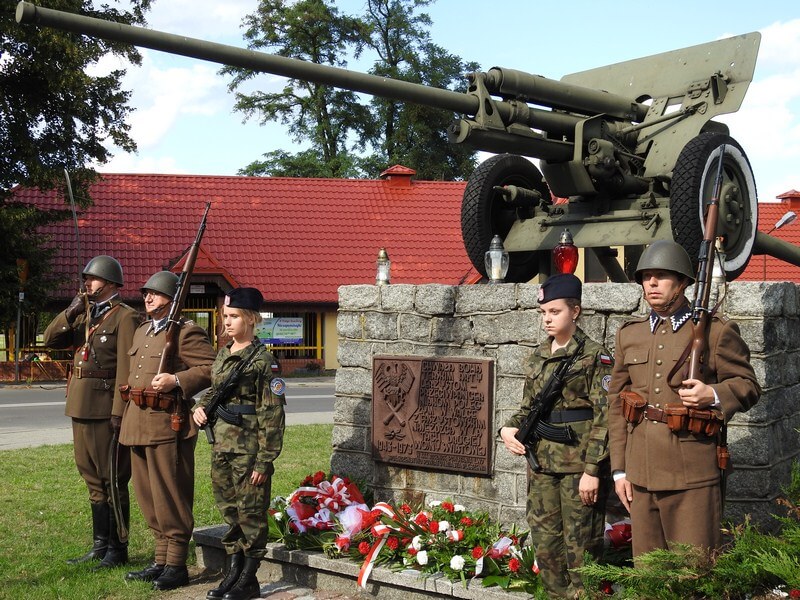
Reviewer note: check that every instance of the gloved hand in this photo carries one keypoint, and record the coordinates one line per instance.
(76, 307)
(116, 424)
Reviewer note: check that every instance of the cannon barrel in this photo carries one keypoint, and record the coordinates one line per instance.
(555, 123)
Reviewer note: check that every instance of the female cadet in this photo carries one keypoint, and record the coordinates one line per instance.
(566, 496)
(241, 463)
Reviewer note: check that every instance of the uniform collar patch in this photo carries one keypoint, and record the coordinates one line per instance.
(677, 319)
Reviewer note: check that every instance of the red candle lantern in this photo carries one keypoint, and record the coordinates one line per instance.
(565, 254)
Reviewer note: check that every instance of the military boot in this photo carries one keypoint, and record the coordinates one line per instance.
(117, 553)
(234, 563)
(171, 577)
(246, 587)
(150, 573)
(99, 534)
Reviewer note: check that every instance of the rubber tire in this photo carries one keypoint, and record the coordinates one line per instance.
(693, 182)
(484, 214)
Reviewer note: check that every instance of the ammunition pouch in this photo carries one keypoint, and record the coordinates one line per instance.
(633, 406)
(144, 398)
(700, 422)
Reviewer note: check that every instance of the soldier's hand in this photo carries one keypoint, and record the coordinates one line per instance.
(116, 424)
(75, 308)
(513, 445)
(624, 491)
(588, 489)
(199, 416)
(257, 478)
(164, 382)
(696, 394)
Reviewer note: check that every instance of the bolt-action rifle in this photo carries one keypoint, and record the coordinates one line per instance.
(215, 408)
(535, 426)
(172, 331)
(702, 312)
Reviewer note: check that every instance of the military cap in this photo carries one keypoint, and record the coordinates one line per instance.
(246, 298)
(563, 285)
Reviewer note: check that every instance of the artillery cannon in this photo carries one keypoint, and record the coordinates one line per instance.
(633, 145)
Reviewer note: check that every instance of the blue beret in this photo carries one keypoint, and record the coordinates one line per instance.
(563, 285)
(246, 298)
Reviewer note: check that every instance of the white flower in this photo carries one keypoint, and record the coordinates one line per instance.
(434, 503)
(444, 525)
(278, 516)
(422, 557)
(416, 544)
(459, 507)
(457, 563)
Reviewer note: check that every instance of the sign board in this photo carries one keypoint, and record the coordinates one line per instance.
(281, 331)
(433, 413)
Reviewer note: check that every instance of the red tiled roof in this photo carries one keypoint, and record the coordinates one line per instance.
(768, 214)
(296, 240)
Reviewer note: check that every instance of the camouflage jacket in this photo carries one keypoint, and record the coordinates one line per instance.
(262, 433)
(585, 387)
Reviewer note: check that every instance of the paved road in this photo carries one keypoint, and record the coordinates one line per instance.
(34, 416)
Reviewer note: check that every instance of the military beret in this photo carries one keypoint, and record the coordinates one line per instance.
(563, 285)
(246, 298)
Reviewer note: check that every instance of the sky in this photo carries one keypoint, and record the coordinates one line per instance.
(184, 120)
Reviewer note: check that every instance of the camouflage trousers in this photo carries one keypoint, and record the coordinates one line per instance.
(243, 505)
(562, 528)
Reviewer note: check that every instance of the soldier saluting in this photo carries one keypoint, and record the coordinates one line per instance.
(99, 326)
(161, 436)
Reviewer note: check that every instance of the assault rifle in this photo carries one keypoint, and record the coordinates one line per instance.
(535, 427)
(214, 409)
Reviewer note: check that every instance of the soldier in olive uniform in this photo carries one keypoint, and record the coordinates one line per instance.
(566, 497)
(669, 481)
(100, 329)
(162, 437)
(241, 463)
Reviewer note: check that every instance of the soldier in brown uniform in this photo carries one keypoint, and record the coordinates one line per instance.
(100, 336)
(162, 459)
(669, 481)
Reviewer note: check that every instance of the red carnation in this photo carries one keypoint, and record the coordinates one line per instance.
(413, 551)
(393, 543)
(514, 565)
(421, 519)
(318, 477)
(477, 552)
(794, 593)
(363, 548)
(448, 506)
(434, 526)
(466, 521)
(405, 508)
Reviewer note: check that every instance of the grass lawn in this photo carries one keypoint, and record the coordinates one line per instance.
(45, 517)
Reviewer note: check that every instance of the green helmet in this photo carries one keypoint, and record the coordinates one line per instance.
(163, 282)
(665, 255)
(105, 267)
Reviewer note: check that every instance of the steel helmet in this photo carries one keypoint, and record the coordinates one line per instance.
(665, 255)
(105, 267)
(163, 282)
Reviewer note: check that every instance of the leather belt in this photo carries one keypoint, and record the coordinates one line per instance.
(651, 413)
(571, 416)
(83, 373)
(241, 409)
(148, 398)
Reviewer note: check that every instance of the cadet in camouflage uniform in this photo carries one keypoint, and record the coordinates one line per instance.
(241, 463)
(566, 498)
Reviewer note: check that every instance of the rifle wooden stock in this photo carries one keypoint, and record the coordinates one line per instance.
(173, 322)
(701, 311)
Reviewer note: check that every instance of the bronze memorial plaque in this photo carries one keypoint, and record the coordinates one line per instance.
(433, 413)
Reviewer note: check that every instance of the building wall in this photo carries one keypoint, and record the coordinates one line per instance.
(330, 340)
(501, 322)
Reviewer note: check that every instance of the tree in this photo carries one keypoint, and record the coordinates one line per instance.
(53, 116)
(412, 134)
(310, 30)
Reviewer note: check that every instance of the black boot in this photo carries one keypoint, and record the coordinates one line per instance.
(99, 534)
(246, 586)
(171, 577)
(234, 563)
(150, 573)
(117, 553)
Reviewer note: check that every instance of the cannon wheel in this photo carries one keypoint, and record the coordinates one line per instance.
(485, 214)
(693, 186)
